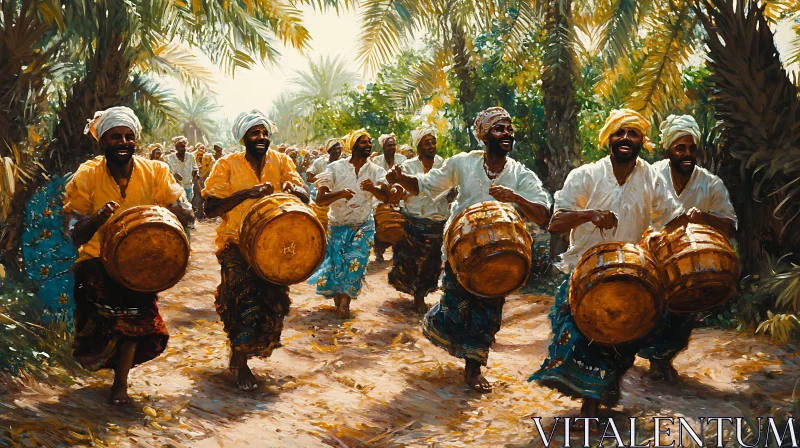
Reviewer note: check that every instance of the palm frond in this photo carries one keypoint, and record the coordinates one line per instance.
(325, 80)
(523, 19)
(410, 90)
(157, 102)
(384, 24)
(172, 60)
(667, 48)
(618, 29)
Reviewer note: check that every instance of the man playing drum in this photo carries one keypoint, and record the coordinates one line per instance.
(348, 186)
(463, 323)
(252, 309)
(707, 202)
(614, 199)
(417, 262)
(387, 160)
(115, 327)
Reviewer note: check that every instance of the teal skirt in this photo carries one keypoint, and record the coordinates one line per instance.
(346, 260)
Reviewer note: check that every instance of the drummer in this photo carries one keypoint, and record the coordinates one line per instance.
(252, 309)
(614, 199)
(462, 323)
(387, 160)
(417, 262)
(115, 327)
(348, 186)
(707, 202)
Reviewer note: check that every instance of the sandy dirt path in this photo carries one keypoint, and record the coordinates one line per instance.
(373, 380)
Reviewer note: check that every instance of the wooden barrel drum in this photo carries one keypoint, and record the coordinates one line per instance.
(282, 239)
(388, 224)
(699, 267)
(489, 249)
(615, 293)
(145, 249)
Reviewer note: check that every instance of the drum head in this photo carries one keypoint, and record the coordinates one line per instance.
(497, 275)
(289, 248)
(151, 258)
(614, 312)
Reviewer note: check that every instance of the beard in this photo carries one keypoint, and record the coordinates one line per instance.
(112, 153)
(676, 163)
(250, 146)
(494, 145)
(625, 158)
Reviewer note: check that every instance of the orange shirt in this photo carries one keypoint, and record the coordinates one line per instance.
(234, 173)
(93, 186)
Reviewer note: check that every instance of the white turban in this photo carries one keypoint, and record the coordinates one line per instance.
(676, 126)
(417, 134)
(110, 118)
(247, 120)
(385, 137)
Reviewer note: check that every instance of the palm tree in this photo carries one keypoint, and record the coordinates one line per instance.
(194, 116)
(291, 121)
(325, 81)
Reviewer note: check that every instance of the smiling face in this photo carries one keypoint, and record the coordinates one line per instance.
(389, 147)
(626, 144)
(363, 146)
(257, 140)
(426, 148)
(118, 145)
(335, 152)
(682, 154)
(500, 137)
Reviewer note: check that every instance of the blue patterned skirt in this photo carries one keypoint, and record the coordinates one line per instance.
(346, 259)
(417, 262)
(577, 367)
(463, 323)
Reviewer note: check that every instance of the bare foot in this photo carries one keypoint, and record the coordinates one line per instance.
(474, 379)
(246, 380)
(663, 371)
(590, 407)
(119, 394)
(337, 301)
(343, 310)
(420, 306)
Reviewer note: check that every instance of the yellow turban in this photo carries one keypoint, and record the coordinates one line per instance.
(351, 139)
(626, 118)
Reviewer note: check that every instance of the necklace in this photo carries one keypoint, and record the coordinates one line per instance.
(491, 174)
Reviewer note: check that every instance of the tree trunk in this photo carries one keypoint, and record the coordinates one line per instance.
(464, 72)
(561, 111)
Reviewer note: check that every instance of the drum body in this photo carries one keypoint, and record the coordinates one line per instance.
(615, 293)
(699, 267)
(388, 224)
(282, 239)
(489, 249)
(145, 249)
(322, 213)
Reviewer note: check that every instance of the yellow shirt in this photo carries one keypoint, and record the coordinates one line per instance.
(234, 173)
(92, 187)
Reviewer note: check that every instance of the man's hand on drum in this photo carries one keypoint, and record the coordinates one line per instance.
(396, 194)
(106, 211)
(604, 219)
(503, 194)
(261, 190)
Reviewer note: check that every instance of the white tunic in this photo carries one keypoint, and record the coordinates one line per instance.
(643, 200)
(381, 160)
(318, 165)
(422, 206)
(183, 169)
(465, 171)
(704, 190)
(341, 174)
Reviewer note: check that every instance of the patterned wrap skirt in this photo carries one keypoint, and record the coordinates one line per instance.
(252, 309)
(346, 260)
(417, 262)
(463, 323)
(106, 313)
(670, 337)
(577, 367)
